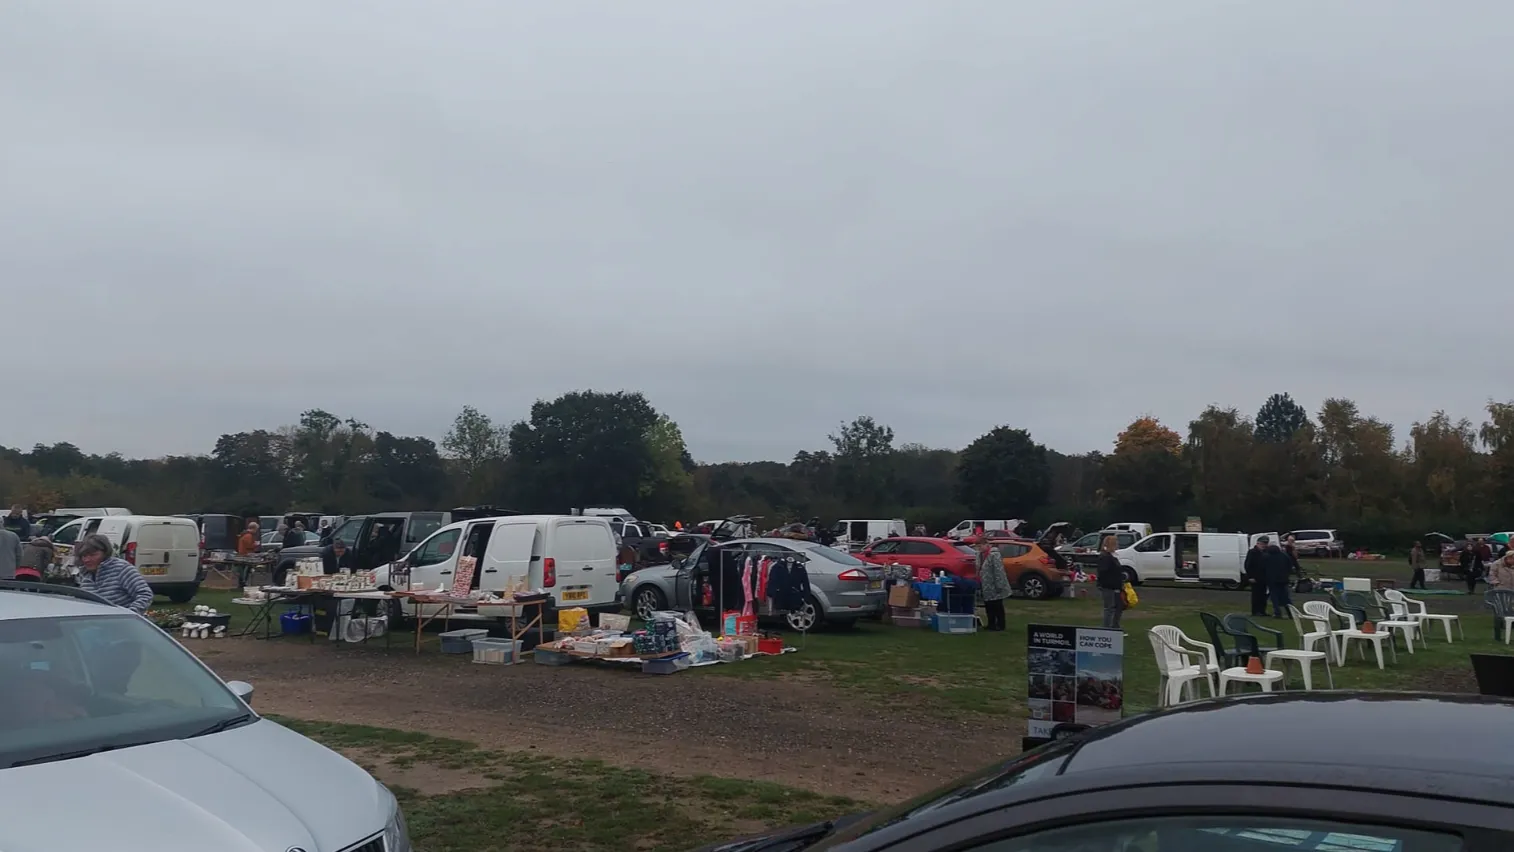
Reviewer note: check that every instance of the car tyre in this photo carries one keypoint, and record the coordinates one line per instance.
(647, 600)
(806, 618)
(183, 596)
(1130, 576)
(1230, 585)
(1033, 586)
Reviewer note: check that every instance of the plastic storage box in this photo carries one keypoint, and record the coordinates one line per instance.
(461, 641)
(666, 665)
(294, 623)
(550, 657)
(495, 652)
(946, 623)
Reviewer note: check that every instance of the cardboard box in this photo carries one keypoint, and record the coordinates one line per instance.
(903, 595)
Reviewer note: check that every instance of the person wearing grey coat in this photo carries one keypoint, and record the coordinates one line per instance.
(10, 554)
(994, 583)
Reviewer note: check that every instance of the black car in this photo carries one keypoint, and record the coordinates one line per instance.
(1312, 772)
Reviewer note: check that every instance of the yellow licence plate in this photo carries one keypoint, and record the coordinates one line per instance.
(581, 595)
(874, 585)
(154, 570)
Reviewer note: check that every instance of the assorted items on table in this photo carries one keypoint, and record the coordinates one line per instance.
(939, 604)
(669, 643)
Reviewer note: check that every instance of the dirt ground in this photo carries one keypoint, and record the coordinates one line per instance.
(806, 734)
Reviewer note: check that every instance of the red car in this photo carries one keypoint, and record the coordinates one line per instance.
(930, 554)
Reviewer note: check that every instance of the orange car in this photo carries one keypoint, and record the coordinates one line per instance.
(1032, 572)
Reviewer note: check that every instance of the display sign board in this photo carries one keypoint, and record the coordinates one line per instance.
(1193, 524)
(1077, 676)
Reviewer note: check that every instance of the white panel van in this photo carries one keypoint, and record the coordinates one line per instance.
(855, 535)
(166, 551)
(572, 557)
(1187, 557)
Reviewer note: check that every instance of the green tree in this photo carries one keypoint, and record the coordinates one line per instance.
(1003, 474)
(1219, 455)
(476, 449)
(1279, 419)
(864, 452)
(670, 486)
(406, 471)
(585, 448)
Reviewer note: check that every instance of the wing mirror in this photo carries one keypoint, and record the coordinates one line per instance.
(241, 689)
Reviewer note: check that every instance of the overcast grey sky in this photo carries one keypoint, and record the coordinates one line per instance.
(770, 216)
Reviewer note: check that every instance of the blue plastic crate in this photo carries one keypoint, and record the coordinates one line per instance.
(461, 641)
(666, 665)
(945, 623)
(928, 591)
(294, 623)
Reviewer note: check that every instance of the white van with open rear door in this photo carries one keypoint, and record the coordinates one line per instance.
(1208, 558)
(572, 557)
(166, 550)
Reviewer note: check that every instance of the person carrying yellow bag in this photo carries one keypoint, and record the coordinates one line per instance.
(1111, 582)
(1130, 596)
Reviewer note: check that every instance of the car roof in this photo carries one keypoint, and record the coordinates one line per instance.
(1400, 743)
(27, 604)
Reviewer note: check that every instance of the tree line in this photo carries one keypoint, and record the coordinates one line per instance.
(1280, 468)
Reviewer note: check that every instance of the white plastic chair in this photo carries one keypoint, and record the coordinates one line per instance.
(1176, 669)
(1352, 633)
(1322, 626)
(1398, 620)
(1417, 610)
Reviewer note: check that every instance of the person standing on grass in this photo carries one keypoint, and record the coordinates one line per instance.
(1468, 572)
(1417, 562)
(1291, 549)
(995, 583)
(1256, 576)
(1111, 582)
(1279, 569)
(10, 554)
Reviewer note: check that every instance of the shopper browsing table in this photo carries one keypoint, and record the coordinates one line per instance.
(335, 556)
(109, 576)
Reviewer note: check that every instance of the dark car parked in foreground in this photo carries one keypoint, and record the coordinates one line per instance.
(1312, 772)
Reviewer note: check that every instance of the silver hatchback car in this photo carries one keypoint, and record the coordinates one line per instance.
(843, 588)
(113, 736)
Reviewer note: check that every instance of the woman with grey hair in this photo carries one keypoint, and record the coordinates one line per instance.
(110, 576)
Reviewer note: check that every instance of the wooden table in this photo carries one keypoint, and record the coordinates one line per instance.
(446, 602)
(517, 610)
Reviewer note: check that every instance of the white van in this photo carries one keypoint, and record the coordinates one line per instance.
(1187, 557)
(94, 512)
(571, 556)
(855, 535)
(165, 550)
(970, 527)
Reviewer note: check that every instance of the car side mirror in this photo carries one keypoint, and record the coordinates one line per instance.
(241, 689)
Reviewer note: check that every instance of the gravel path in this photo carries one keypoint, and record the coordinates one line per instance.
(801, 734)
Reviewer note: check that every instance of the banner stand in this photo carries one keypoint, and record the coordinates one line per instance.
(1076, 680)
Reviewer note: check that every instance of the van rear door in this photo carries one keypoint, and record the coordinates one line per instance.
(513, 553)
(583, 551)
(1221, 556)
(167, 551)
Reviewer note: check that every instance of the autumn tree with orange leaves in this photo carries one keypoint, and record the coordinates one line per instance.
(1145, 478)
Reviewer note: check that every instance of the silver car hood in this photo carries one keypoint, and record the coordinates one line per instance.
(256, 788)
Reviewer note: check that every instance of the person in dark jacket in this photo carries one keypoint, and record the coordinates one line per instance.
(335, 556)
(1417, 564)
(1470, 570)
(1111, 582)
(295, 535)
(17, 523)
(1256, 576)
(1278, 569)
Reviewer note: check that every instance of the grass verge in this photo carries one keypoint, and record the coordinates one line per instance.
(487, 801)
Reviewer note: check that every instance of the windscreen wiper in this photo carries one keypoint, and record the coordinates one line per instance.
(223, 725)
(785, 841)
(71, 755)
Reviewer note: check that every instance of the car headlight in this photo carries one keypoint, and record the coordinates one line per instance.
(631, 580)
(396, 834)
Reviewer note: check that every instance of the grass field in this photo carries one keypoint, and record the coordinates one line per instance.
(483, 801)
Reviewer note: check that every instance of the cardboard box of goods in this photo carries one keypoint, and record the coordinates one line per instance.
(903, 595)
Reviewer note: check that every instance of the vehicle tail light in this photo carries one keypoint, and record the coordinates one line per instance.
(662, 547)
(853, 575)
(548, 572)
(1046, 560)
(129, 553)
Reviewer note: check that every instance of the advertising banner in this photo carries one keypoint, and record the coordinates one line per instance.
(1077, 675)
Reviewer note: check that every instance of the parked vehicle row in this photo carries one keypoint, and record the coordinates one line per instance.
(165, 549)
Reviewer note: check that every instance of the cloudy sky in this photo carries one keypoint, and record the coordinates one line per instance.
(770, 216)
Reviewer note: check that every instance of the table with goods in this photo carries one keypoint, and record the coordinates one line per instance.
(670, 642)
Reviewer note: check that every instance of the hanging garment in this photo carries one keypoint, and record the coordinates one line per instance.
(762, 578)
(798, 586)
(778, 583)
(747, 590)
(729, 590)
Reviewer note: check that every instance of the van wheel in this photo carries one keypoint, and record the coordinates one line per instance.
(1033, 586)
(1130, 576)
(182, 596)
(1230, 585)
(647, 600)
